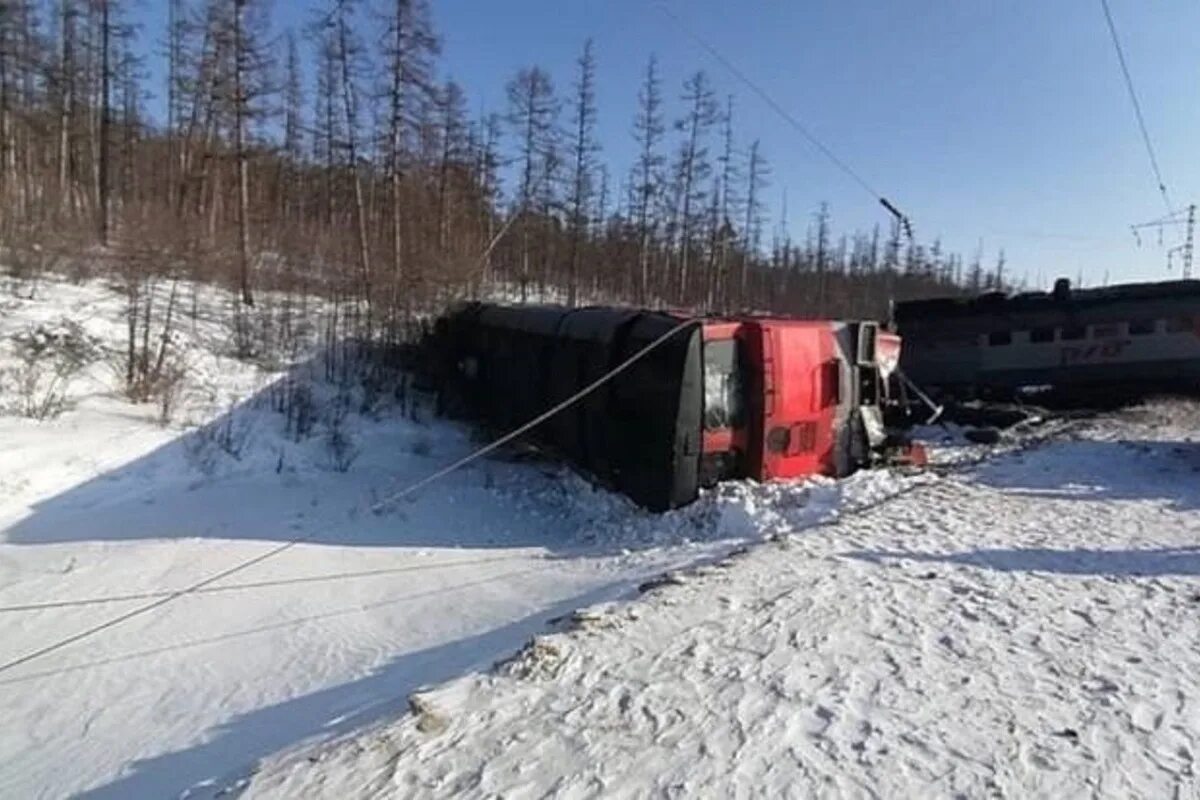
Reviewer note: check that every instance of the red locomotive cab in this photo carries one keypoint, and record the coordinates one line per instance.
(798, 406)
(791, 398)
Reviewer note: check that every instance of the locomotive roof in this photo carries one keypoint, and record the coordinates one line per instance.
(585, 322)
(595, 321)
(1064, 299)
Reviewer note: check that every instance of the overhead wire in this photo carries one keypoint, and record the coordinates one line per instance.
(263, 584)
(267, 627)
(1137, 106)
(788, 117)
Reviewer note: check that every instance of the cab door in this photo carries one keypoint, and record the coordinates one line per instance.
(726, 412)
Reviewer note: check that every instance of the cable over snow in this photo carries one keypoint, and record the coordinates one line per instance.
(1022, 627)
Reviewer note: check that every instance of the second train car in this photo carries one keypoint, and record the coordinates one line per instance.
(749, 397)
(1098, 345)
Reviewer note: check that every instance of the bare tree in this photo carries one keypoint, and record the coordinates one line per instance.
(648, 133)
(756, 182)
(453, 155)
(821, 257)
(65, 80)
(487, 168)
(293, 128)
(408, 50)
(348, 54)
(105, 143)
(532, 113)
(723, 234)
(692, 166)
(247, 87)
(584, 149)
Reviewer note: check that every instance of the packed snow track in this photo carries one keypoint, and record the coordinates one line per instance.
(1026, 627)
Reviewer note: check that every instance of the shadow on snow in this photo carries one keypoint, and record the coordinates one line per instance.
(246, 476)
(1102, 470)
(1096, 471)
(324, 714)
(1155, 562)
(280, 487)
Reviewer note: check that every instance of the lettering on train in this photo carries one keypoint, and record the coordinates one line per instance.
(1100, 351)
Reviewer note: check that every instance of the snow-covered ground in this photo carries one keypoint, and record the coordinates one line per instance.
(1028, 626)
(103, 508)
(1025, 625)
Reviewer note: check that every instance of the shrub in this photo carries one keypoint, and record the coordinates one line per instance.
(229, 434)
(50, 357)
(343, 450)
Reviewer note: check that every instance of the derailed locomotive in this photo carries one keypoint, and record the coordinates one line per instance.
(724, 398)
(1101, 345)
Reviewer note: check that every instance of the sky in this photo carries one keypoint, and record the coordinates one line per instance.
(1001, 124)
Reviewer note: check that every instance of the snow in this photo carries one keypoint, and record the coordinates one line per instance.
(1024, 625)
(1018, 620)
(103, 509)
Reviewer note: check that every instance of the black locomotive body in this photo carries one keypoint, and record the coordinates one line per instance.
(639, 433)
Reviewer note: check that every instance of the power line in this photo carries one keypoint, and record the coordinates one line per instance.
(800, 127)
(272, 626)
(377, 507)
(1137, 106)
(237, 587)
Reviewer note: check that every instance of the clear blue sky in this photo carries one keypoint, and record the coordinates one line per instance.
(1001, 121)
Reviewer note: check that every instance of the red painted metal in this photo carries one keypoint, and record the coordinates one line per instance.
(716, 329)
(797, 434)
(794, 379)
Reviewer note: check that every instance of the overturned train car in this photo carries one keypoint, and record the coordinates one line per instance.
(721, 398)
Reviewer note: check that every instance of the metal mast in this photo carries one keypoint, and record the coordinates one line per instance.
(1186, 249)
(1187, 243)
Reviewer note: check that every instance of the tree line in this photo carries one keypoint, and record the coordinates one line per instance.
(372, 186)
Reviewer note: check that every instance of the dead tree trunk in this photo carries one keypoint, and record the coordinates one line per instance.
(239, 144)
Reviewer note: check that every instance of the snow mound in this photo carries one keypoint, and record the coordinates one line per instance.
(735, 511)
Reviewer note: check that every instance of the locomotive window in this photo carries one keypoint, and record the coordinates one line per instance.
(1041, 335)
(1180, 325)
(1142, 327)
(1104, 331)
(999, 338)
(831, 383)
(724, 386)
(1073, 332)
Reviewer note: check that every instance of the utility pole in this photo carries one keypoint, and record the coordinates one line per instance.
(1186, 248)
(1187, 243)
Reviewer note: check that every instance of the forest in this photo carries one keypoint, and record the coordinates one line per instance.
(335, 163)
